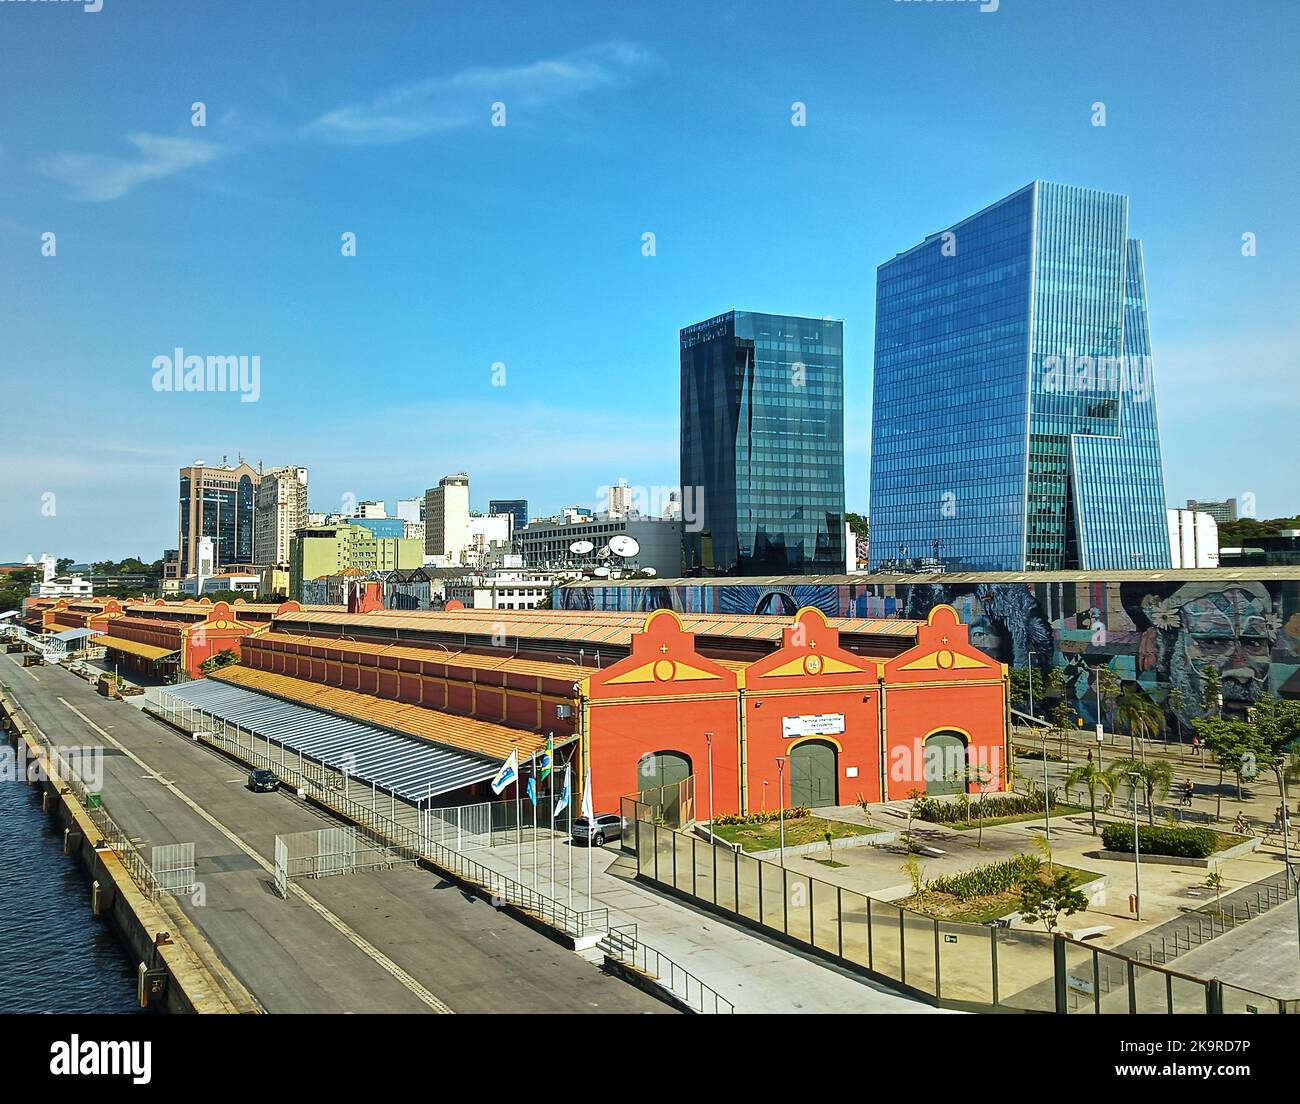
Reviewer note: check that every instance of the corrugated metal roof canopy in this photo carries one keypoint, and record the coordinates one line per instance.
(76, 634)
(409, 768)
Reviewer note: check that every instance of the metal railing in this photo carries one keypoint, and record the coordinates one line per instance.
(960, 965)
(110, 836)
(621, 943)
(332, 788)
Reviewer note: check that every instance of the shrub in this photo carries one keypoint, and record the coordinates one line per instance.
(1185, 843)
(1000, 805)
(797, 812)
(985, 881)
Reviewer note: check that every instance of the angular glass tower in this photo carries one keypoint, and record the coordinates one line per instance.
(762, 445)
(1014, 413)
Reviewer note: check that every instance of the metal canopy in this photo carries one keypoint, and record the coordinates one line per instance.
(404, 766)
(76, 634)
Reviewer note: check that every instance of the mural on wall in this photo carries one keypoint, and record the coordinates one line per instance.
(1157, 635)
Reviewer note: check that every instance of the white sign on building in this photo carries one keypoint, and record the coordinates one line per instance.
(812, 724)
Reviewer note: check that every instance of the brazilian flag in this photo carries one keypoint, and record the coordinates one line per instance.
(548, 758)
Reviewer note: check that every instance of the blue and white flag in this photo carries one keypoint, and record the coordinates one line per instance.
(564, 794)
(508, 775)
(532, 791)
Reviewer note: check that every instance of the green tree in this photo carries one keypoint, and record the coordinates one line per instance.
(1228, 741)
(224, 658)
(1022, 678)
(1176, 702)
(1049, 901)
(1155, 776)
(1107, 689)
(1091, 777)
(1277, 729)
(62, 564)
(1061, 714)
(1211, 688)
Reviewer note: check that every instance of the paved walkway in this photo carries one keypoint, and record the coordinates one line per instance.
(755, 974)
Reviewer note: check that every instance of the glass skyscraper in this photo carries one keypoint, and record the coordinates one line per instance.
(1014, 412)
(762, 445)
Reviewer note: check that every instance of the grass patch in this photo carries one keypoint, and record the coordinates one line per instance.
(983, 910)
(825, 862)
(809, 829)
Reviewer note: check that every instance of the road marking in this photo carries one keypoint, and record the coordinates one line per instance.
(369, 949)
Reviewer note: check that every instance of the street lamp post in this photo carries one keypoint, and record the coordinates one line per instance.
(780, 785)
(1286, 849)
(1100, 741)
(1031, 687)
(1137, 856)
(708, 738)
(1047, 793)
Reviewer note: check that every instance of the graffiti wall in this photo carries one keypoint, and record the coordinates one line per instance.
(1159, 635)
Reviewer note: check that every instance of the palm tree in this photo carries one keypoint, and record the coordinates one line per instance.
(1091, 776)
(1155, 776)
(1141, 716)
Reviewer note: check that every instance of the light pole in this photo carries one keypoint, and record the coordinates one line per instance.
(1286, 847)
(708, 737)
(1100, 741)
(1047, 793)
(780, 786)
(1031, 691)
(1137, 857)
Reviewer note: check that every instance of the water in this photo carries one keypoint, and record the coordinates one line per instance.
(54, 955)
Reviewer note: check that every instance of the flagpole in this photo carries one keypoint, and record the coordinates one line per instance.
(519, 828)
(567, 785)
(552, 797)
(533, 770)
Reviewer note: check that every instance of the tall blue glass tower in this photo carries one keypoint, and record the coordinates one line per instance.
(1014, 413)
(762, 445)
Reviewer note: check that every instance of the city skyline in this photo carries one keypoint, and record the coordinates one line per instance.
(220, 258)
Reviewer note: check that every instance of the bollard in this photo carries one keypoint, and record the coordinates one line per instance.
(45, 801)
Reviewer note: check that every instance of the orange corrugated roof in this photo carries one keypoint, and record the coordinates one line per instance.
(466, 733)
(471, 660)
(596, 626)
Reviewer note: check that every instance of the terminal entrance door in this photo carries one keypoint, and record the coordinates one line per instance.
(813, 774)
(945, 764)
(662, 775)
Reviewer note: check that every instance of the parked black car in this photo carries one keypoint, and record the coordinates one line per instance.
(263, 781)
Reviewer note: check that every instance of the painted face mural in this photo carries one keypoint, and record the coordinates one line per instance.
(1231, 629)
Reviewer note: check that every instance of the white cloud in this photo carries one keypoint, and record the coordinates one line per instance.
(450, 102)
(98, 178)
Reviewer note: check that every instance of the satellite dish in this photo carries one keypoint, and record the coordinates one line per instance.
(650, 571)
(603, 572)
(624, 546)
(604, 553)
(582, 548)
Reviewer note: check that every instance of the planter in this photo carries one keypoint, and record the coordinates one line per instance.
(1206, 863)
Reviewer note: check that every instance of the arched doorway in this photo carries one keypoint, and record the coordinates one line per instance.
(814, 774)
(661, 775)
(945, 763)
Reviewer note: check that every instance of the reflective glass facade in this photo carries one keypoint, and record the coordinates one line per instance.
(762, 447)
(1014, 417)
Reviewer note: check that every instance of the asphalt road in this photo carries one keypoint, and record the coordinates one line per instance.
(401, 940)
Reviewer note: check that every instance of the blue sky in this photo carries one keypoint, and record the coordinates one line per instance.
(522, 244)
